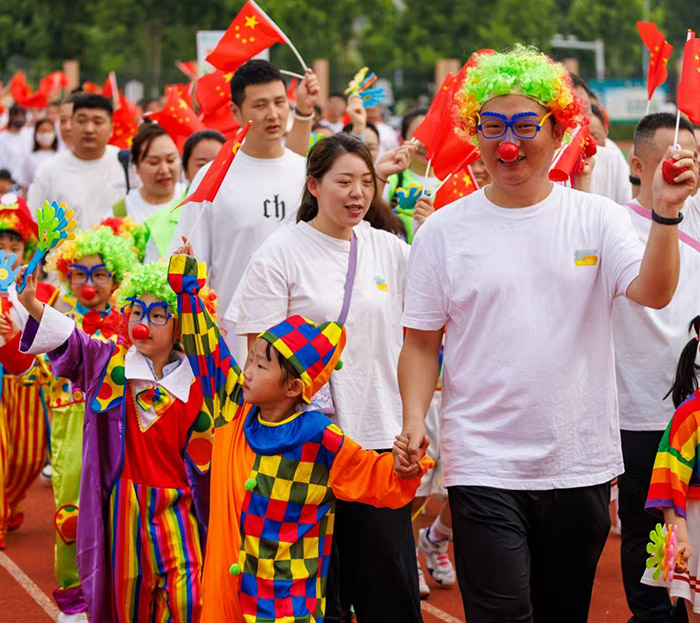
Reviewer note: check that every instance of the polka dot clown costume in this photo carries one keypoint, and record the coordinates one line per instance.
(274, 485)
(146, 449)
(118, 256)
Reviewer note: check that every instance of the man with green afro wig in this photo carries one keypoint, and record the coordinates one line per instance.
(519, 277)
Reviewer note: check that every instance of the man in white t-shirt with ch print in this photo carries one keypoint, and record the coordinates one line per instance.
(262, 189)
(521, 276)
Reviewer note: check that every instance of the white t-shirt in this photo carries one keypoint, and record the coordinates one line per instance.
(334, 126)
(139, 209)
(32, 161)
(256, 197)
(89, 187)
(611, 174)
(528, 386)
(648, 342)
(299, 270)
(14, 147)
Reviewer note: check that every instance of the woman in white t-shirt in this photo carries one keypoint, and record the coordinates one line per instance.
(45, 147)
(157, 162)
(305, 269)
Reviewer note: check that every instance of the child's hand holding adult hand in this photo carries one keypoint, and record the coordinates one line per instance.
(683, 552)
(403, 467)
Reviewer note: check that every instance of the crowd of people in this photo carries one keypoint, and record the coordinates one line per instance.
(249, 400)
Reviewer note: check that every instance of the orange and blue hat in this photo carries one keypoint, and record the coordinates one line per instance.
(313, 350)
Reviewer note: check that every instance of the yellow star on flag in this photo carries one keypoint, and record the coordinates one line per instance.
(250, 22)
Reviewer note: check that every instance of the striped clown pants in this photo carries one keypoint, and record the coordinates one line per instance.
(156, 555)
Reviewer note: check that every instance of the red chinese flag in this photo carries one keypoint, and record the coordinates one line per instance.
(221, 120)
(250, 33)
(53, 83)
(659, 53)
(124, 124)
(689, 85)
(91, 87)
(177, 118)
(23, 94)
(213, 178)
(458, 185)
(189, 68)
(438, 120)
(566, 163)
(455, 153)
(213, 91)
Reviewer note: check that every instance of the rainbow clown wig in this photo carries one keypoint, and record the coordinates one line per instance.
(152, 279)
(117, 252)
(520, 71)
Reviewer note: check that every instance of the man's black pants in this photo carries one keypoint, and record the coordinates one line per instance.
(528, 556)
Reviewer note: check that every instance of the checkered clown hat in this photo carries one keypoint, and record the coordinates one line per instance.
(314, 351)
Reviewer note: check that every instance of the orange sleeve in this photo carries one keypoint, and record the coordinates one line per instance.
(360, 475)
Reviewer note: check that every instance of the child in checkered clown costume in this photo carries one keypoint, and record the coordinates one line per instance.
(276, 470)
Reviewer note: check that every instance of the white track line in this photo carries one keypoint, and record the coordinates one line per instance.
(440, 614)
(28, 585)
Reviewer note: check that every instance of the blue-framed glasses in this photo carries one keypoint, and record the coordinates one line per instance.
(523, 124)
(79, 274)
(157, 313)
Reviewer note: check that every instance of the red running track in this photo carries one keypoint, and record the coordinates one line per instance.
(30, 549)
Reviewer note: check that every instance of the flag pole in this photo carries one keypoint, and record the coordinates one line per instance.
(471, 174)
(427, 171)
(676, 146)
(291, 74)
(648, 106)
(296, 53)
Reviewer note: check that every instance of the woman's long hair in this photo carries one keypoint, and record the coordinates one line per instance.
(321, 159)
(686, 381)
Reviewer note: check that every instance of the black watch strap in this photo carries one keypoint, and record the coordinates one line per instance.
(662, 220)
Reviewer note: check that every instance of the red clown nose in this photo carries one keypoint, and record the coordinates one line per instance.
(670, 172)
(140, 332)
(88, 293)
(508, 151)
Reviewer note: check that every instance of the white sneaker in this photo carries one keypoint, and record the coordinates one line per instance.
(81, 617)
(423, 587)
(436, 559)
(47, 471)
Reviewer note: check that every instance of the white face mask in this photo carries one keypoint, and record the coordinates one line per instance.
(45, 139)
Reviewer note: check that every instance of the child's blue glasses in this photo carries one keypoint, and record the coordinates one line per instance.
(157, 313)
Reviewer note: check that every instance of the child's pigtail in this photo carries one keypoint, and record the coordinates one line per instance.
(686, 381)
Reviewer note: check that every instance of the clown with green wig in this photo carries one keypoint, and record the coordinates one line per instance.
(91, 267)
(520, 276)
(146, 442)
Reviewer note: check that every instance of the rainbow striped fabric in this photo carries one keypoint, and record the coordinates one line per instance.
(675, 477)
(156, 397)
(155, 554)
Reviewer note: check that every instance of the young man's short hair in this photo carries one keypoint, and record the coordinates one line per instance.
(91, 101)
(648, 125)
(337, 94)
(255, 71)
